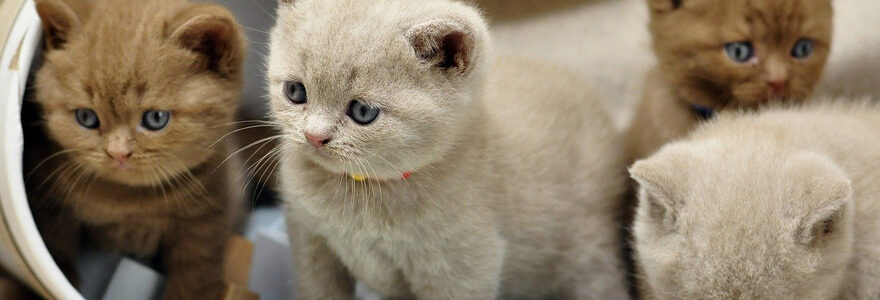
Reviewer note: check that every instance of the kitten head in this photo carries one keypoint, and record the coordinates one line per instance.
(137, 92)
(719, 220)
(741, 53)
(375, 87)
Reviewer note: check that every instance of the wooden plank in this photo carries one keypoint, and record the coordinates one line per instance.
(236, 292)
(237, 264)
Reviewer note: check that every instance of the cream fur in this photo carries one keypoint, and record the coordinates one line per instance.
(517, 170)
(777, 205)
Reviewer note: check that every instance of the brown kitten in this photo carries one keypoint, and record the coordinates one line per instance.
(727, 54)
(133, 95)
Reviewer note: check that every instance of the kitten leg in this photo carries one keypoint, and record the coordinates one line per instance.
(596, 269)
(469, 266)
(320, 273)
(195, 247)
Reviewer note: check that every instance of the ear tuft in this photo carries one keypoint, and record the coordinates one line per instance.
(212, 32)
(446, 44)
(823, 191)
(658, 189)
(58, 21)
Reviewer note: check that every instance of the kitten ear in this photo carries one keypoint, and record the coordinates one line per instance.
(660, 6)
(212, 32)
(58, 21)
(659, 187)
(822, 192)
(447, 44)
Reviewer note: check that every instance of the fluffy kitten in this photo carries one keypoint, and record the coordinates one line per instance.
(133, 94)
(781, 205)
(726, 54)
(418, 165)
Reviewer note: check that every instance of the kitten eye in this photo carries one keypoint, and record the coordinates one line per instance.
(362, 114)
(87, 118)
(155, 120)
(802, 49)
(739, 51)
(295, 92)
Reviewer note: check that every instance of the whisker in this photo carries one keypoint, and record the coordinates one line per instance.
(253, 29)
(251, 145)
(72, 186)
(235, 123)
(234, 132)
(160, 181)
(264, 11)
(250, 172)
(385, 160)
(54, 155)
(276, 157)
(52, 174)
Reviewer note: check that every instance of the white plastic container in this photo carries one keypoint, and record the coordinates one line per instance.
(22, 251)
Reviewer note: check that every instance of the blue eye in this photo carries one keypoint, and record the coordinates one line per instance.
(802, 49)
(361, 113)
(295, 92)
(87, 118)
(155, 120)
(740, 52)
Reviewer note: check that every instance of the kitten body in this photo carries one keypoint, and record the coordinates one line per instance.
(514, 171)
(696, 74)
(777, 205)
(129, 185)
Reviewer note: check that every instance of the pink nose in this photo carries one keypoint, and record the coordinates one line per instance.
(777, 85)
(119, 155)
(317, 140)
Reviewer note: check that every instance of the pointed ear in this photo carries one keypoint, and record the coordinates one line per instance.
(659, 187)
(59, 20)
(822, 191)
(662, 6)
(446, 44)
(212, 32)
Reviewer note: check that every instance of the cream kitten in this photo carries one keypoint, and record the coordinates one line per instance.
(417, 166)
(781, 205)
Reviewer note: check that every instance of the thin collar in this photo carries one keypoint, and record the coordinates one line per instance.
(705, 113)
(361, 177)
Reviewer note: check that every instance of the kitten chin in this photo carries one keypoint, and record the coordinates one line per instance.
(134, 98)
(776, 205)
(469, 177)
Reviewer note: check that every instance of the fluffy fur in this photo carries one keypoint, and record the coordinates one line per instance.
(689, 38)
(516, 173)
(120, 59)
(781, 205)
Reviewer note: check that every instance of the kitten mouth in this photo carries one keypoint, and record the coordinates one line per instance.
(322, 153)
(122, 166)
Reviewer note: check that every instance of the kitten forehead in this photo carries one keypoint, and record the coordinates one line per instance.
(720, 178)
(129, 62)
(334, 35)
(770, 21)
